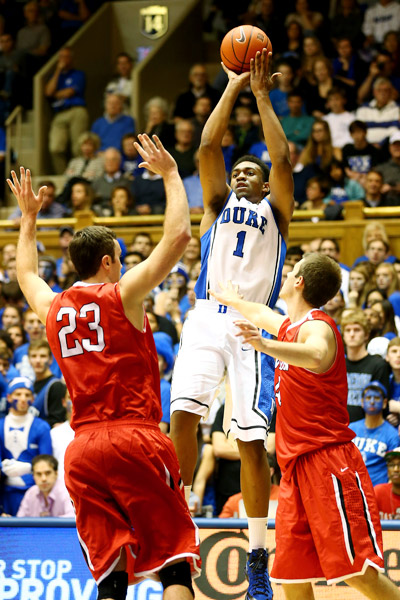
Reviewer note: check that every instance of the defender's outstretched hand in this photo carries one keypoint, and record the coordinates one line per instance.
(156, 158)
(260, 78)
(29, 202)
(228, 295)
(250, 334)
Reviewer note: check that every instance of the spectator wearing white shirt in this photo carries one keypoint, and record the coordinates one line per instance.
(61, 436)
(384, 16)
(382, 114)
(338, 118)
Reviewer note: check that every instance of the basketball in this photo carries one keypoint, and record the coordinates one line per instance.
(242, 44)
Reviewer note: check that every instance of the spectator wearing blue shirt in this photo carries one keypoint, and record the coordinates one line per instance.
(193, 188)
(113, 125)
(165, 363)
(66, 90)
(374, 435)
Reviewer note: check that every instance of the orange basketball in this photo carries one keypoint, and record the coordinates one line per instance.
(241, 44)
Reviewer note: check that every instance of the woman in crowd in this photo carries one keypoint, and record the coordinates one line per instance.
(122, 202)
(359, 285)
(89, 164)
(319, 151)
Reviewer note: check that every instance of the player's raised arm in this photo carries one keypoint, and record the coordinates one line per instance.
(212, 165)
(280, 179)
(138, 282)
(36, 291)
(262, 316)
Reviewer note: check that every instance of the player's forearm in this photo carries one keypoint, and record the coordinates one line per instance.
(218, 121)
(260, 315)
(27, 256)
(274, 136)
(177, 218)
(296, 354)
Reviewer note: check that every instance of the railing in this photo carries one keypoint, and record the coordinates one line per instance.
(347, 232)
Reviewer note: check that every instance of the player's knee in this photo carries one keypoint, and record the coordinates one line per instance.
(113, 586)
(177, 574)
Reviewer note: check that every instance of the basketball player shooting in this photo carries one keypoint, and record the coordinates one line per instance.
(243, 236)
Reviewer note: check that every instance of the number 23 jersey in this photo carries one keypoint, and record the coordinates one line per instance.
(109, 366)
(244, 245)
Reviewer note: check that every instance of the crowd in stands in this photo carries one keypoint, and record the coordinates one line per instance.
(337, 101)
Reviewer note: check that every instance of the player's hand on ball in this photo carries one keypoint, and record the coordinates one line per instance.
(155, 157)
(228, 295)
(250, 334)
(242, 78)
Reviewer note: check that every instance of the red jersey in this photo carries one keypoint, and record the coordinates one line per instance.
(311, 407)
(388, 502)
(110, 367)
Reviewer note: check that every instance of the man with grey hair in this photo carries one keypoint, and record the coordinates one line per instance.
(112, 176)
(382, 114)
(113, 125)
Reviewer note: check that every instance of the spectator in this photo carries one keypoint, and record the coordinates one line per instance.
(374, 435)
(386, 279)
(246, 134)
(48, 272)
(291, 47)
(121, 84)
(312, 50)
(65, 237)
(297, 125)
(82, 196)
(301, 174)
(113, 125)
(33, 39)
(393, 358)
(148, 193)
(347, 22)
(88, 165)
(132, 259)
(359, 156)
(130, 156)
(49, 390)
(391, 44)
(376, 252)
(13, 76)
(362, 368)
(388, 494)
(343, 188)
(310, 21)
(111, 177)
(165, 355)
(359, 285)
(381, 66)
(142, 243)
(198, 86)
(184, 148)
(202, 109)
(228, 148)
(335, 306)
(374, 230)
(382, 114)
(264, 14)
(34, 331)
(347, 67)
(72, 15)
(62, 434)
(390, 171)
(193, 188)
(21, 438)
(11, 315)
(380, 18)
(66, 87)
(122, 202)
(338, 118)
(317, 189)
(373, 185)
(319, 150)
(48, 497)
(330, 247)
(285, 85)
(156, 116)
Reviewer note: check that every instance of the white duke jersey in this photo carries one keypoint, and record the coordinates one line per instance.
(244, 245)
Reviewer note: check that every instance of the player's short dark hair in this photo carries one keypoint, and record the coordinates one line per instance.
(322, 278)
(257, 161)
(87, 248)
(51, 460)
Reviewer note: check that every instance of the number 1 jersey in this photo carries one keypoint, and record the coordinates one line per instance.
(244, 245)
(109, 366)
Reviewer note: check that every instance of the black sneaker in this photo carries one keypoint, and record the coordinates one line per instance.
(257, 576)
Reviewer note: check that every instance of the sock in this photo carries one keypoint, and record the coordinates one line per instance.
(188, 489)
(257, 532)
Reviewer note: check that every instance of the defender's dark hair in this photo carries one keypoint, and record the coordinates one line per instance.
(322, 278)
(87, 248)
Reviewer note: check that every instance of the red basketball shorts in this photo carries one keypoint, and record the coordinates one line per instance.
(125, 485)
(327, 522)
